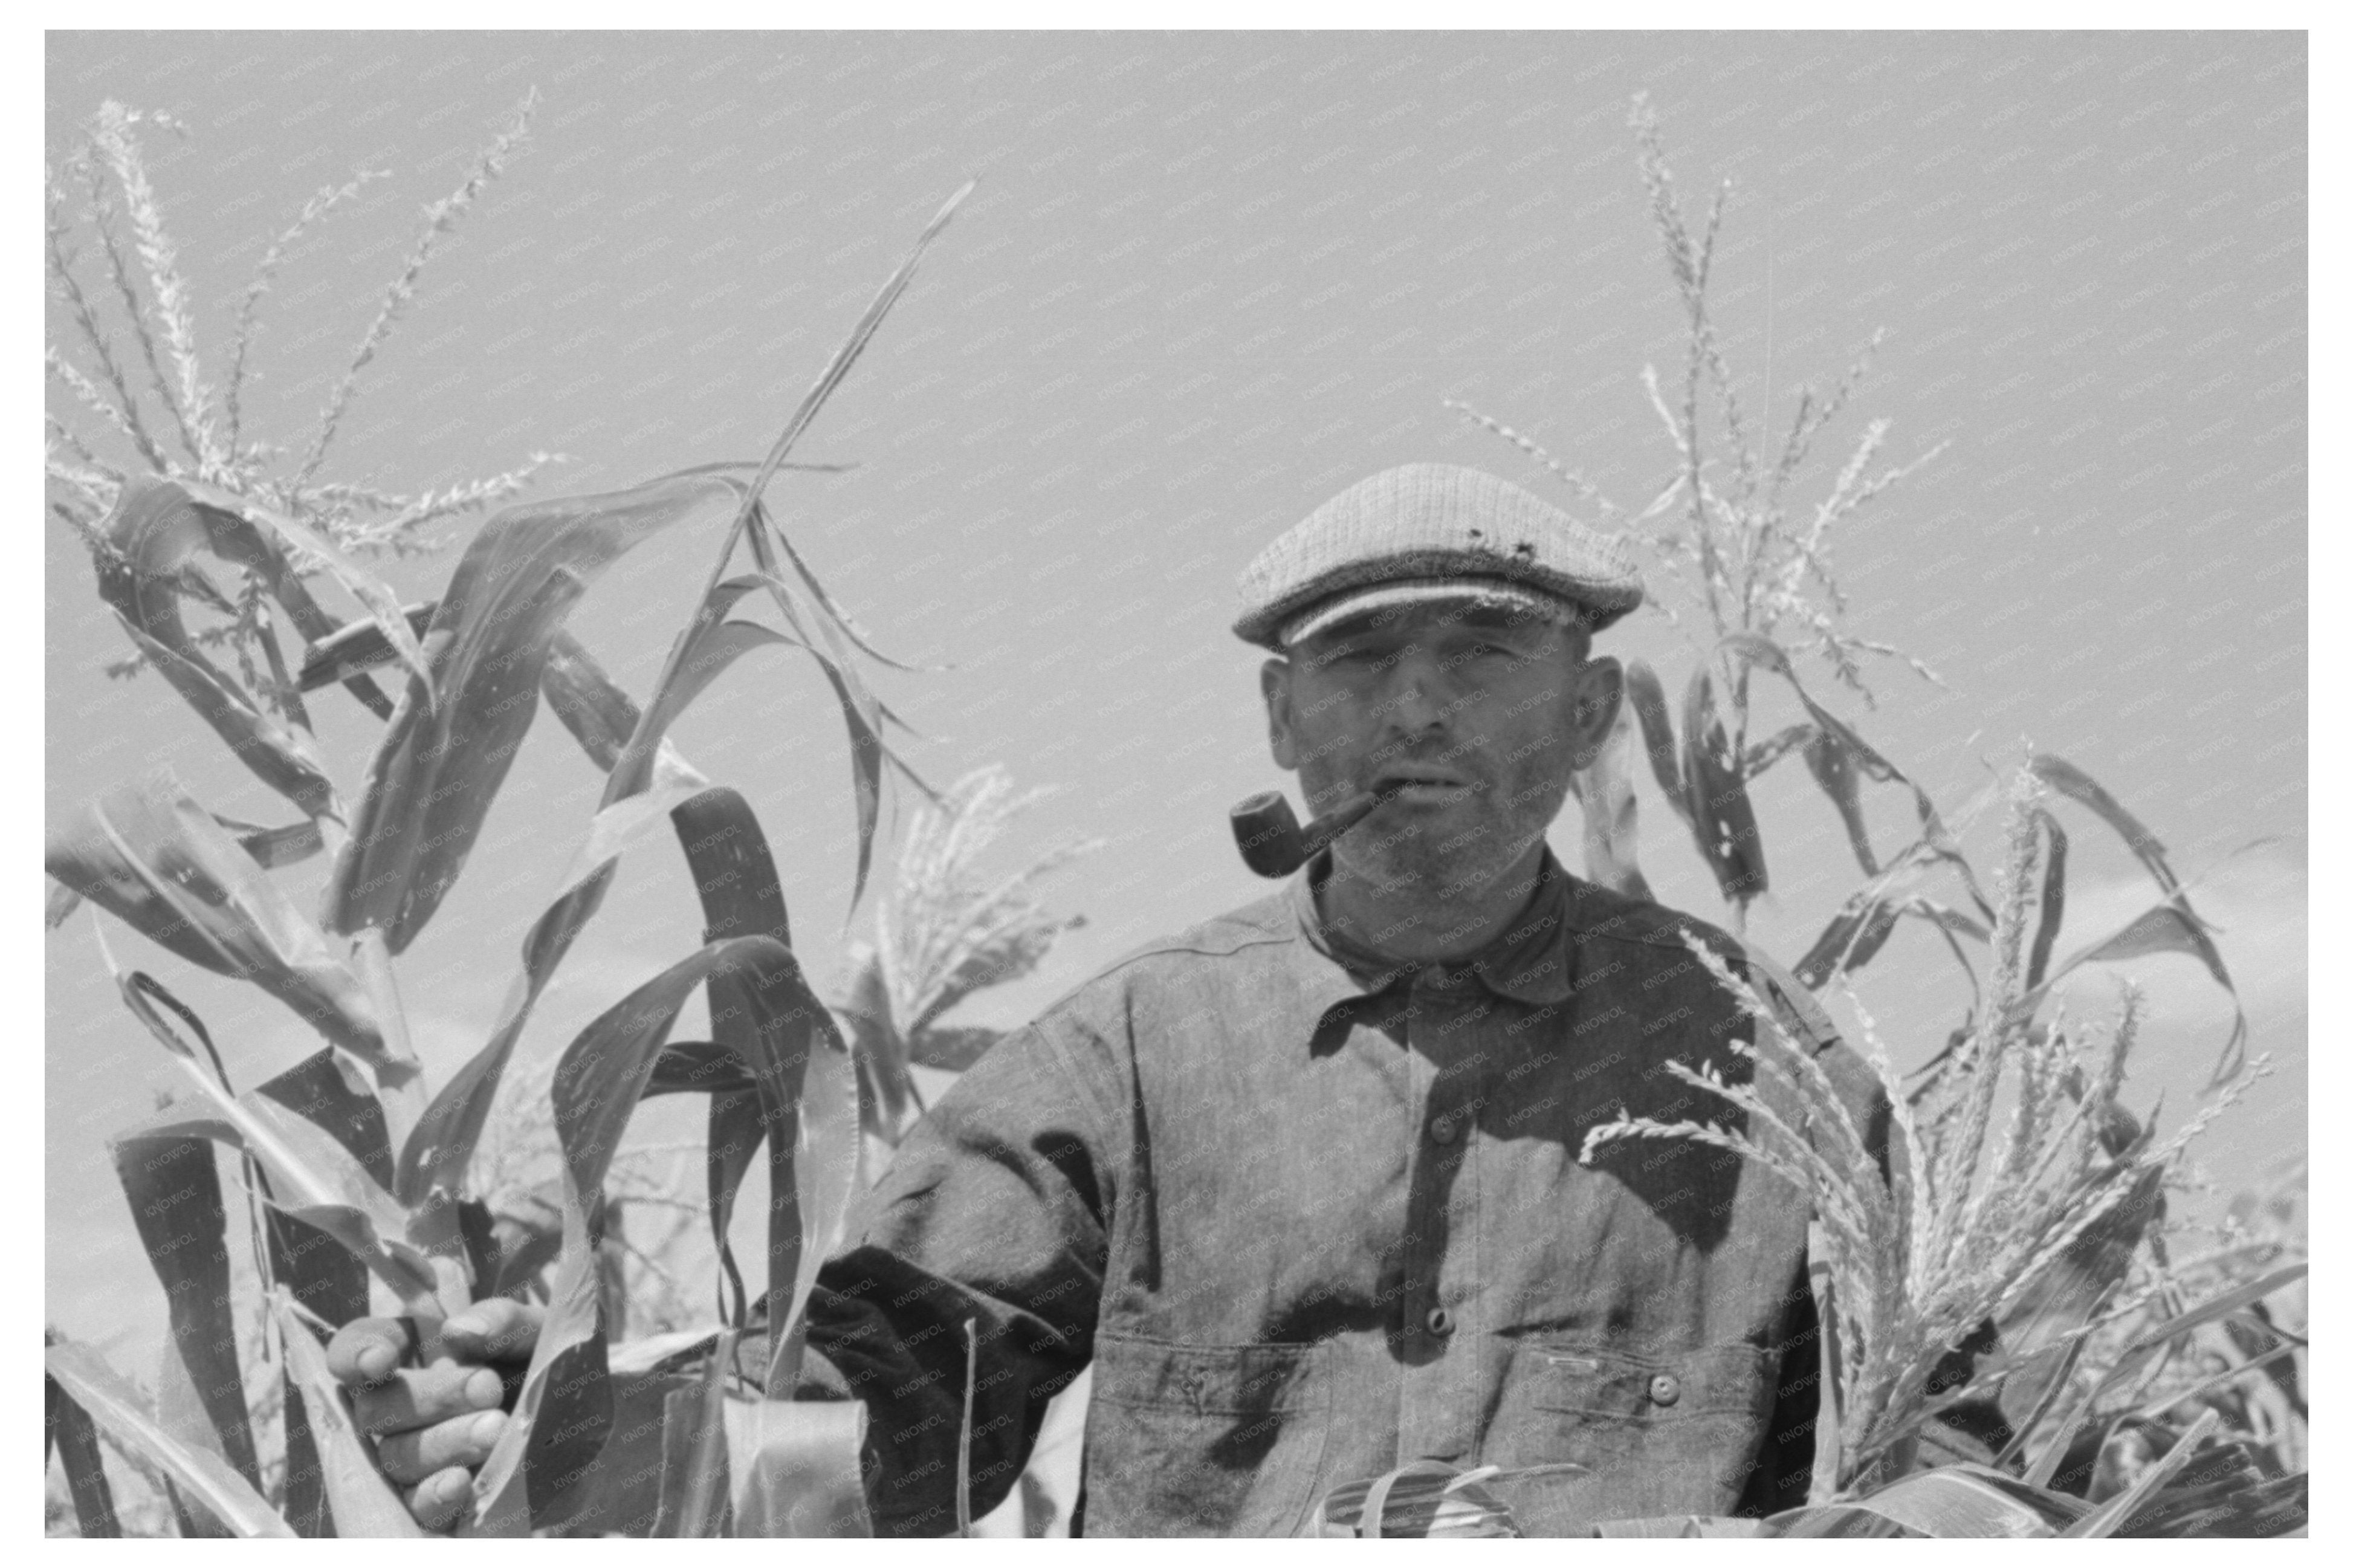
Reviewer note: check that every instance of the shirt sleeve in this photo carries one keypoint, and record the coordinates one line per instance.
(992, 1221)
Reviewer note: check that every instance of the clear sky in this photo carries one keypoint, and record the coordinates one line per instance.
(1207, 281)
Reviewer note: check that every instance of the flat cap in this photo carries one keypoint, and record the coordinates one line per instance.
(1430, 530)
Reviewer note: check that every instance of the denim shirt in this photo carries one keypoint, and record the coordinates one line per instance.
(1311, 1216)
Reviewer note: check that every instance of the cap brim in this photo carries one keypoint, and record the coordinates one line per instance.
(1395, 597)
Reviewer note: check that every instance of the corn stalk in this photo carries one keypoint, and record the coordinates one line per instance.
(359, 1168)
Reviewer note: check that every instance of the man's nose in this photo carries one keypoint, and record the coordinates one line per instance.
(1420, 695)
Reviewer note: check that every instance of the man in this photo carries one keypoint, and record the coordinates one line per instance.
(1302, 1183)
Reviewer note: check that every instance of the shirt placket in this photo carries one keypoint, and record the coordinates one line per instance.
(1438, 1393)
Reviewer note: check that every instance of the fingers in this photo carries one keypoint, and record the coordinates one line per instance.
(426, 1395)
(497, 1330)
(436, 1501)
(369, 1349)
(462, 1441)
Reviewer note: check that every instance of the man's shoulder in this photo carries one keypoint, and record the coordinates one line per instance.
(1596, 913)
(1261, 931)
(1599, 914)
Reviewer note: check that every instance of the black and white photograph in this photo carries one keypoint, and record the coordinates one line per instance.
(1019, 783)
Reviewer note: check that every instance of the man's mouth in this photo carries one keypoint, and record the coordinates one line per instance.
(1430, 784)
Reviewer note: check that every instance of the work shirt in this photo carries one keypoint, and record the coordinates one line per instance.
(1311, 1215)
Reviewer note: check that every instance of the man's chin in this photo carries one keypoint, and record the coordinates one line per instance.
(1425, 854)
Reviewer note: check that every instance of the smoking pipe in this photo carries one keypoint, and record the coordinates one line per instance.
(1274, 844)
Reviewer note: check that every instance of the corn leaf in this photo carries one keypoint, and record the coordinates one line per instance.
(220, 511)
(600, 715)
(533, 1477)
(2217, 1307)
(318, 1089)
(885, 1088)
(1953, 1501)
(694, 1477)
(2137, 1355)
(438, 1151)
(2166, 928)
(736, 880)
(622, 1493)
(798, 1464)
(602, 719)
(1832, 766)
(311, 1179)
(805, 1077)
(271, 847)
(147, 854)
(1649, 701)
(704, 649)
(2104, 1520)
(442, 1144)
(180, 1412)
(116, 1408)
(279, 756)
(308, 1169)
(327, 1188)
(859, 712)
(2081, 787)
(306, 1505)
(323, 1279)
(1837, 756)
(2171, 927)
(1605, 792)
(359, 647)
(2068, 1296)
(1430, 1497)
(644, 778)
(157, 526)
(2054, 896)
(2234, 1509)
(74, 1438)
(1722, 822)
(733, 1131)
(439, 765)
(699, 1067)
(175, 1194)
(362, 1502)
(1864, 922)
(1775, 746)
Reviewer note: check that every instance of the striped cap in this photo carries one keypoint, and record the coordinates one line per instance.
(1431, 530)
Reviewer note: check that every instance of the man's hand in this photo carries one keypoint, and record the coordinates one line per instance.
(433, 1403)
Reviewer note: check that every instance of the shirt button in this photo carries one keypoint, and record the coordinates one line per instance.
(1665, 1389)
(1440, 1322)
(1442, 1130)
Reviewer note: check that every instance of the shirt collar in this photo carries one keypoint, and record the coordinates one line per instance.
(1528, 961)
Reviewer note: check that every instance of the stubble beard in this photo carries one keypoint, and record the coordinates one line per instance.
(1445, 864)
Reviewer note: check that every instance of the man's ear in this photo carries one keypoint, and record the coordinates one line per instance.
(1274, 685)
(1599, 687)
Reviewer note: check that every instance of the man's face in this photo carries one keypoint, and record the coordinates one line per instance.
(1476, 717)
